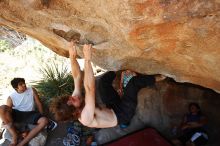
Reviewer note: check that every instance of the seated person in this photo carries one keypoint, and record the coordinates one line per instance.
(117, 111)
(20, 108)
(193, 127)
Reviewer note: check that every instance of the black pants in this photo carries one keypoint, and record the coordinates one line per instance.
(124, 107)
(189, 133)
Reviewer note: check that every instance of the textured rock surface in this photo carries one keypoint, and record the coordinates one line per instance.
(180, 39)
(14, 38)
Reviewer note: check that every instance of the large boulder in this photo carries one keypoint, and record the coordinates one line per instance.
(180, 39)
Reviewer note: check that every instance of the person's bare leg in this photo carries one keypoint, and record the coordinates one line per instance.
(5, 115)
(42, 122)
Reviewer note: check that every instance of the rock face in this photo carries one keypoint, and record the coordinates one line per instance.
(176, 38)
(180, 39)
(14, 38)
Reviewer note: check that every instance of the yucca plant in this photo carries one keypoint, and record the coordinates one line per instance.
(56, 81)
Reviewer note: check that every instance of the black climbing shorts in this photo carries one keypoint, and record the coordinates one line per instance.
(30, 117)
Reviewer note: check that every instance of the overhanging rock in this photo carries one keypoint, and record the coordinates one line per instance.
(180, 39)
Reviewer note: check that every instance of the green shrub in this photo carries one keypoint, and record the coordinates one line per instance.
(56, 81)
(4, 46)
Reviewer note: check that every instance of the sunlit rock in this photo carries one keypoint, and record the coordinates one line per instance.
(180, 39)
